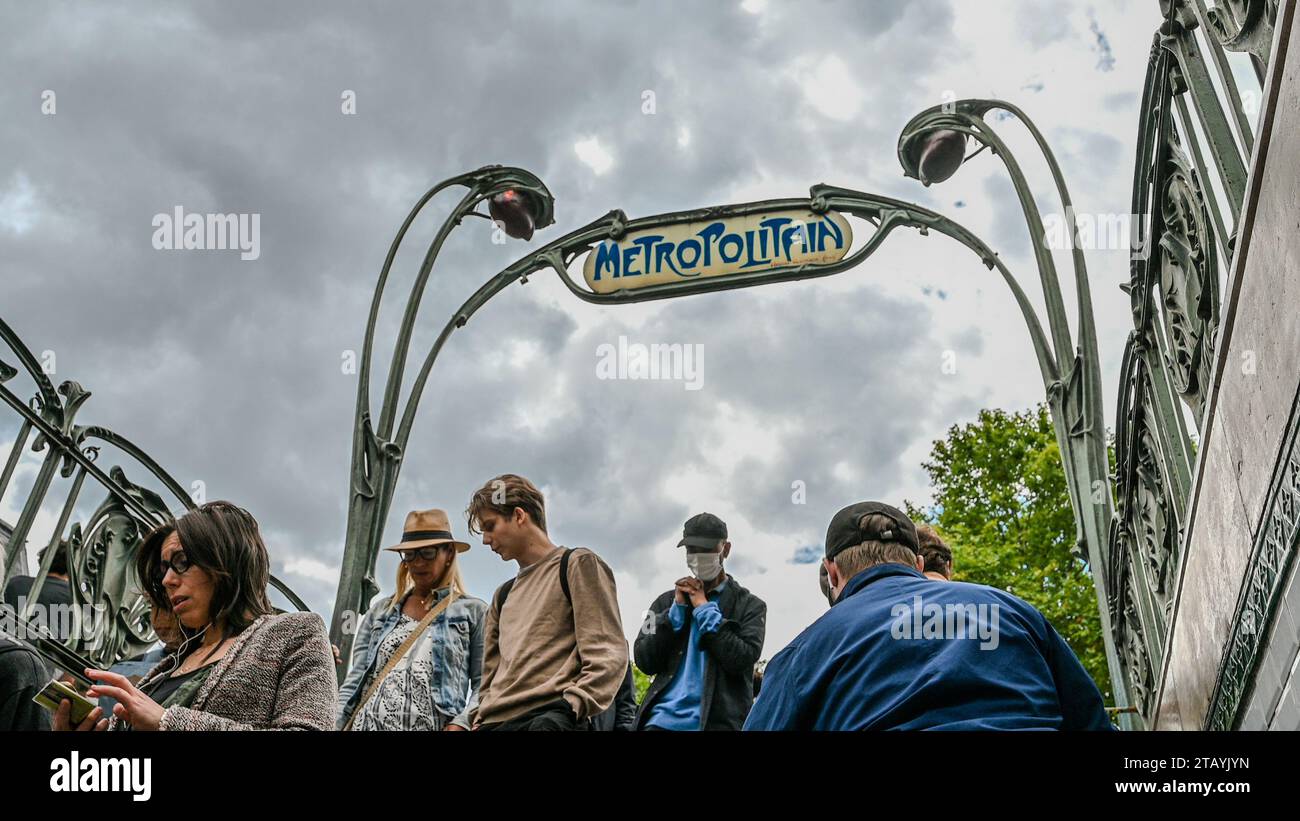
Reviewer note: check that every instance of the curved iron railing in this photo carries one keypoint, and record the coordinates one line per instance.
(108, 618)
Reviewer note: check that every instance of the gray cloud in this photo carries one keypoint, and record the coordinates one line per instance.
(1040, 24)
(229, 372)
(807, 554)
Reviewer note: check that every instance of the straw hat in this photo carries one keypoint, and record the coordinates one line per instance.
(426, 528)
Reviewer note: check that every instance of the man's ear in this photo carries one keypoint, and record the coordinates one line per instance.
(726, 549)
(920, 562)
(832, 574)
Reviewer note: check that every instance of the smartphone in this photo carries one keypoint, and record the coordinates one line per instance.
(56, 692)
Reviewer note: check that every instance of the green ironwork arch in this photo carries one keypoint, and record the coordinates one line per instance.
(378, 453)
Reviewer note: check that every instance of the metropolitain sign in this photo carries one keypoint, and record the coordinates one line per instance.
(717, 247)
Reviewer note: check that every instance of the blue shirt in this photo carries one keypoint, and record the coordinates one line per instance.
(678, 706)
(899, 651)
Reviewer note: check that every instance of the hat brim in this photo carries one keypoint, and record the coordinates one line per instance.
(461, 547)
(701, 541)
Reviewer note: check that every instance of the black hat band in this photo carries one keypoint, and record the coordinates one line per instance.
(421, 535)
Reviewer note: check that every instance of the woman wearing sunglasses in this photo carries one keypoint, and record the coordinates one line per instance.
(418, 655)
(236, 664)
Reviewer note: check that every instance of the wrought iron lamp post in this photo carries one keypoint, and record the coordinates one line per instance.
(931, 149)
(519, 203)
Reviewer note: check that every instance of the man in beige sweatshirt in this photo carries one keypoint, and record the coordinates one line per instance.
(554, 654)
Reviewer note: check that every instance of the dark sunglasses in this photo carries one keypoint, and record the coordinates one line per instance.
(426, 553)
(179, 563)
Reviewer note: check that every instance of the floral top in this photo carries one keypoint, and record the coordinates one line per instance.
(402, 701)
(452, 648)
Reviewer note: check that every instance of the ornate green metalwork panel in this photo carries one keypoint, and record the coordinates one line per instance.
(1270, 560)
(1194, 144)
(110, 617)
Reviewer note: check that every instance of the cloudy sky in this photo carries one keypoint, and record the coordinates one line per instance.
(230, 372)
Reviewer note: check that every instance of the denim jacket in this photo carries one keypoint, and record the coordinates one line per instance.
(456, 655)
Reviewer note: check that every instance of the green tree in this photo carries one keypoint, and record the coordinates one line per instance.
(1000, 502)
(642, 683)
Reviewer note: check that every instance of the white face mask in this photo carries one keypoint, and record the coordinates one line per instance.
(704, 566)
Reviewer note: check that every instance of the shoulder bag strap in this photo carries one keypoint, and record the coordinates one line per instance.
(400, 653)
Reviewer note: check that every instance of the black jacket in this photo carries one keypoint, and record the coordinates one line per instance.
(22, 675)
(621, 715)
(55, 593)
(730, 655)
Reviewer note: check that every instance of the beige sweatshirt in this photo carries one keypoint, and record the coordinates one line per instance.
(538, 650)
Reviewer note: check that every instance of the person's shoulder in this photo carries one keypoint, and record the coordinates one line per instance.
(380, 603)
(17, 586)
(585, 557)
(972, 592)
(789, 654)
(844, 625)
(744, 593)
(13, 654)
(496, 591)
(663, 600)
(21, 666)
(285, 634)
(304, 624)
(473, 603)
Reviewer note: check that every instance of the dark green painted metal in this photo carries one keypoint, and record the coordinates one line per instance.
(376, 453)
(1191, 136)
(374, 481)
(1273, 551)
(1192, 74)
(1246, 26)
(1075, 396)
(102, 547)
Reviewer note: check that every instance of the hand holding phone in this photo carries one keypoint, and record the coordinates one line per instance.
(56, 692)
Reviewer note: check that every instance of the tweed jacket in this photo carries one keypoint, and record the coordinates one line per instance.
(277, 675)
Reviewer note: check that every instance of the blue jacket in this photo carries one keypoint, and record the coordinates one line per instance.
(729, 649)
(899, 651)
(456, 653)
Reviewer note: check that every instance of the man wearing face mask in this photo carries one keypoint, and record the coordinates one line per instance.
(702, 641)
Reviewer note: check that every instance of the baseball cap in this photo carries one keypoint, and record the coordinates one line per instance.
(703, 530)
(846, 531)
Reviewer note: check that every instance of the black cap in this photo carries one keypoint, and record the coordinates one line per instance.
(703, 530)
(846, 531)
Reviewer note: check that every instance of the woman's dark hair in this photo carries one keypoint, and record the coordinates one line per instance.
(935, 551)
(224, 540)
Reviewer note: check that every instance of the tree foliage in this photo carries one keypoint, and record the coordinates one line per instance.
(642, 683)
(1000, 502)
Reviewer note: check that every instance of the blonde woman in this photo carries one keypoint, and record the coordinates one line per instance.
(418, 655)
